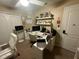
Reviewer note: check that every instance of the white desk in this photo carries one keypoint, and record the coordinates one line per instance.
(36, 33)
(38, 51)
(42, 36)
(41, 48)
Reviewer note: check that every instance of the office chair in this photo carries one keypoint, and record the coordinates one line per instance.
(33, 39)
(9, 51)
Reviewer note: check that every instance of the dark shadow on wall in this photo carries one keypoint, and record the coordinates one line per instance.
(57, 51)
(62, 2)
(58, 40)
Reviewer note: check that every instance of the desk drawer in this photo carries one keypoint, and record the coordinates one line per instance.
(37, 50)
(37, 54)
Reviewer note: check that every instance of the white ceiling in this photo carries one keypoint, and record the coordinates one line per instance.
(30, 10)
(9, 3)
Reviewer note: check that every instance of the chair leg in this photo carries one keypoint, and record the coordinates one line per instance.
(13, 57)
(32, 43)
(18, 54)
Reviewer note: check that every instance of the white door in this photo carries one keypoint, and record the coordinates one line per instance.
(71, 26)
(4, 29)
(7, 25)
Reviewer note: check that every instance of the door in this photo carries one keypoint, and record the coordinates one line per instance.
(71, 26)
(7, 25)
(4, 28)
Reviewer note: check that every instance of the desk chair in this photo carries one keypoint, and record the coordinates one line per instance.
(33, 39)
(9, 51)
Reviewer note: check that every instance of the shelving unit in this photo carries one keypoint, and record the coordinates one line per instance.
(45, 21)
(44, 18)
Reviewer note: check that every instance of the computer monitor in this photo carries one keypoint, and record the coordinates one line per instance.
(43, 29)
(18, 28)
(35, 28)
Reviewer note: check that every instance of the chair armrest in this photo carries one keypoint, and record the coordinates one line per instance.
(4, 46)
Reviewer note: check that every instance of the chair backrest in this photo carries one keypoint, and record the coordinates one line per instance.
(32, 37)
(13, 41)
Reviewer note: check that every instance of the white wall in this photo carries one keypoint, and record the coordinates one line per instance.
(7, 23)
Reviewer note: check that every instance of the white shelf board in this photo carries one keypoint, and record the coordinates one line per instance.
(45, 18)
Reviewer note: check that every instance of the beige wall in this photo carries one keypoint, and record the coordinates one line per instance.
(13, 11)
(28, 25)
(57, 9)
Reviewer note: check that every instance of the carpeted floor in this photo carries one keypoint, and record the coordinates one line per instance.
(58, 53)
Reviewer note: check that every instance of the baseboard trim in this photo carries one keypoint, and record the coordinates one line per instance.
(65, 49)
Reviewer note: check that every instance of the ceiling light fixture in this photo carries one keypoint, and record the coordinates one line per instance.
(24, 2)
